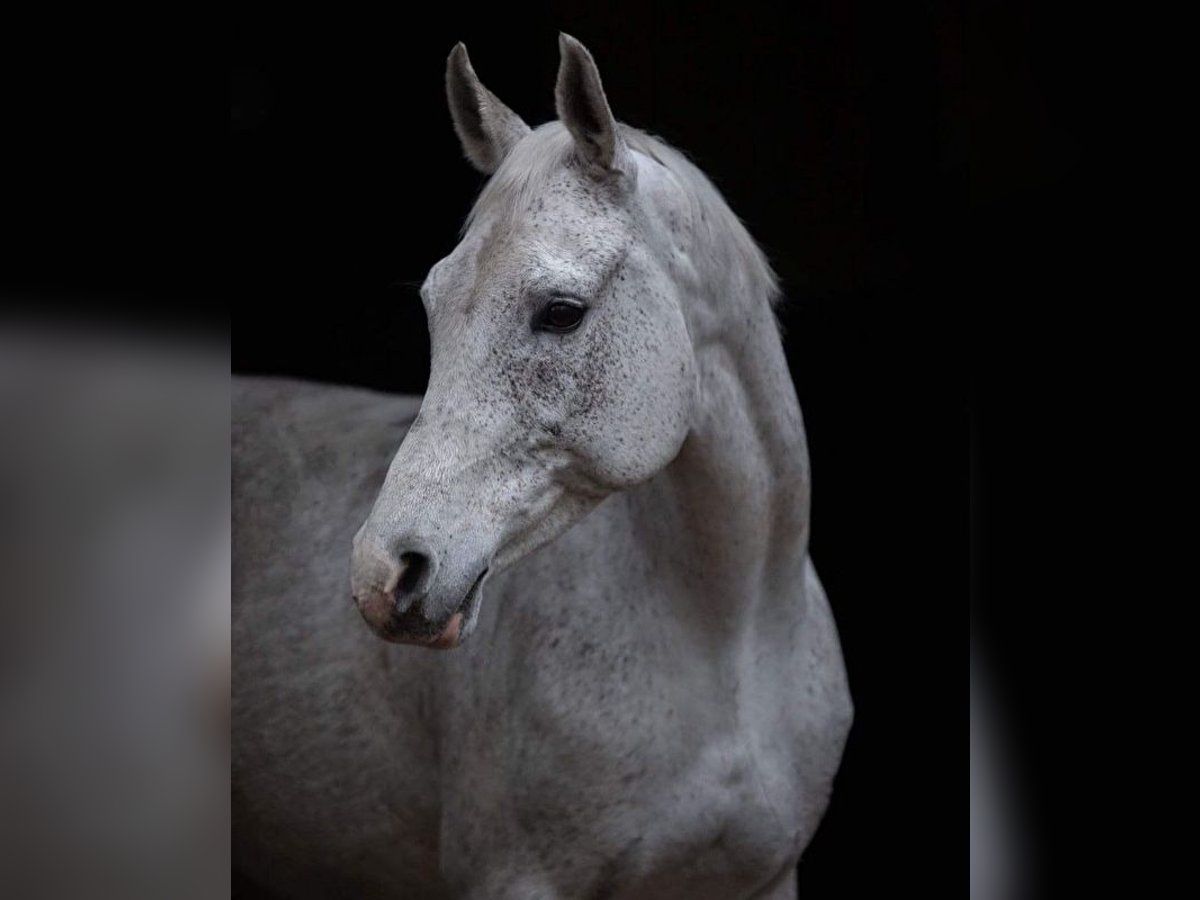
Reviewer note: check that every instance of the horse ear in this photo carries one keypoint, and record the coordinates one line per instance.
(583, 108)
(486, 127)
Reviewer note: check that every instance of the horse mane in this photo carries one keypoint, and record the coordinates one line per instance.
(719, 233)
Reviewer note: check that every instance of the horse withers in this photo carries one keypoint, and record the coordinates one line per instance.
(600, 508)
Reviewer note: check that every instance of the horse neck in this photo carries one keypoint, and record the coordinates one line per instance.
(730, 513)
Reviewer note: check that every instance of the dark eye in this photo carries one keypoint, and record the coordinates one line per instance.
(560, 316)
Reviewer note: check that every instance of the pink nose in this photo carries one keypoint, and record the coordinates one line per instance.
(389, 592)
(377, 607)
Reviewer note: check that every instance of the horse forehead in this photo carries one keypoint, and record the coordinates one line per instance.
(525, 255)
(567, 232)
(536, 256)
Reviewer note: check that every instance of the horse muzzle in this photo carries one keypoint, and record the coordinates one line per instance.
(409, 598)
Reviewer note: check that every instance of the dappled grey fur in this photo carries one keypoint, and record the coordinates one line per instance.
(715, 235)
(645, 696)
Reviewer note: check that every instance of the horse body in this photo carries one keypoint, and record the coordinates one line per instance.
(652, 701)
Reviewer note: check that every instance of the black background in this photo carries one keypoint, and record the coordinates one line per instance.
(837, 132)
(923, 296)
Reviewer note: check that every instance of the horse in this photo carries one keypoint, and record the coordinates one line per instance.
(608, 668)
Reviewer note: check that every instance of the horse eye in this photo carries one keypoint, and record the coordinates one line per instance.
(560, 316)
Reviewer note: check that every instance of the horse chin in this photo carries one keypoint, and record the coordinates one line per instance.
(457, 627)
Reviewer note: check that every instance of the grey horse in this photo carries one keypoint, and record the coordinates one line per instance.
(599, 509)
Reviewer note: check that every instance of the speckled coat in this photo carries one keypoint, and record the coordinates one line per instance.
(600, 508)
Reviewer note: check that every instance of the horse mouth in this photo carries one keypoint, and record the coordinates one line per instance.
(460, 621)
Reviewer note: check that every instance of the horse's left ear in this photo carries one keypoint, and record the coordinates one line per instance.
(583, 108)
(486, 127)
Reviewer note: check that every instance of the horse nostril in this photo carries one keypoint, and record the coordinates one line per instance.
(416, 565)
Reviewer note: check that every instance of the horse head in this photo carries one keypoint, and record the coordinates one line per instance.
(562, 369)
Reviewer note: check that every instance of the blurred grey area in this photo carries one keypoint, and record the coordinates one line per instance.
(114, 614)
(999, 858)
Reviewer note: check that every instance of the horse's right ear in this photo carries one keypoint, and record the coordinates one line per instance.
(486, 127)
